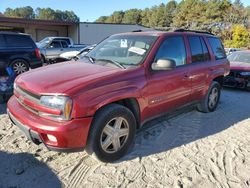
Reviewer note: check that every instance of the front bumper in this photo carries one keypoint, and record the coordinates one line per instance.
(70, 135)
(235, 79)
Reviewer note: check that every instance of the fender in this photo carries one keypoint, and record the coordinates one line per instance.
(95, 102)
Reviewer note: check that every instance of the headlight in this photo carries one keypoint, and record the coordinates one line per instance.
(61, 103)
(245, 73)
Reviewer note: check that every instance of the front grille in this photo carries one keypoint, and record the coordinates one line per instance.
(27, 95)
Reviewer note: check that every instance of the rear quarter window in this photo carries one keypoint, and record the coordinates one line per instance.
(20, 41)
(217, 48)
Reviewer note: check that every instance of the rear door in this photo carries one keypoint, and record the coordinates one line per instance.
(199, 65)
(169, 89)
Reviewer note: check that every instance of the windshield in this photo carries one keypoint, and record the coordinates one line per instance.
(243, 57)
(126, 50)
(43, 43)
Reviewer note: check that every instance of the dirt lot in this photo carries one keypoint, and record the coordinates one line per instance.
(190, 150)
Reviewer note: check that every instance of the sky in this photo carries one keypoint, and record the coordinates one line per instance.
(87, 11)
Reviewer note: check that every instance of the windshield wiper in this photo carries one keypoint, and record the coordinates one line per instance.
(113, 62)
(91, 59)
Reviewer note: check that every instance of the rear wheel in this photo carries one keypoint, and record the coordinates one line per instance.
(210, 102)
(112, 133)
(19, 66)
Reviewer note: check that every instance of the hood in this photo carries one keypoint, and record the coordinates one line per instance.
(234, 65)
(63, 78)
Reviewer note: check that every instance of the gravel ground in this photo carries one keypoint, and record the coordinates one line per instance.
(190, 150)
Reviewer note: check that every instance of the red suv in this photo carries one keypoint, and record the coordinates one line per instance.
(97, 103)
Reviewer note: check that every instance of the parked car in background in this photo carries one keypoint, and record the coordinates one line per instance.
(125, 81)
(52, 47)
(19, 52)
(239, 76)
(74, 54)
(231, 50)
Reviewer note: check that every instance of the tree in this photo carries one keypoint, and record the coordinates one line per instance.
(132, 16)
(102, 19)
(240, 37)
(190, 14)
(50, 14)
(45, 14)
(170, 12)
(145, 17)
(23, 12)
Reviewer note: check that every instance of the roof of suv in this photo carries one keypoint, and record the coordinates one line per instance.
(13, 33)
(159, 33)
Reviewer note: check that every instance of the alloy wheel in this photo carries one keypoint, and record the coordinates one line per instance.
(19, 67)
(213, 98)
(114, 135)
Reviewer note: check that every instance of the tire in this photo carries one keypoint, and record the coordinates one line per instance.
(43, 60)
(211, 100)
(104, 141)
(19, 66)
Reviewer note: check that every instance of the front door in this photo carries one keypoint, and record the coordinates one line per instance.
(168, 89)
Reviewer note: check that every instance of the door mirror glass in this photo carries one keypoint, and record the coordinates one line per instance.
(164, 64)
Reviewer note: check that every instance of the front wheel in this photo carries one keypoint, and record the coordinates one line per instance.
(211, 100)
(112, 133)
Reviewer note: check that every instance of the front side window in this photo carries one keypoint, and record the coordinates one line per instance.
(217, 48)
(55, 44)
(125, 50)
(173, 48)
(64, 44)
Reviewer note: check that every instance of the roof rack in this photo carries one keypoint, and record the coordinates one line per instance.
(139, 30)
(195, 31)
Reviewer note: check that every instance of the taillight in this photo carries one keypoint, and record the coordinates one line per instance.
(38, 54)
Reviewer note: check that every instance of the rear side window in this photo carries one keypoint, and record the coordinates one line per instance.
(2, 42)
(199, 50)
(173, 48)
(217, 48)
(18, 41)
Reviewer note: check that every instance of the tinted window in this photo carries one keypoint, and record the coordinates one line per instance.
(173, 48)
(199, 49)
(217, 48)
(206, 55)
(55, 44)
(66, 40)
(18, 41)
(196, 48)
(64, 44)
(2, 42)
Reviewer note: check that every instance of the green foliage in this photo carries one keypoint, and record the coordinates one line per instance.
(23, 12)
(132, 16)
(240, 37)
(217, 16)
(41, 13)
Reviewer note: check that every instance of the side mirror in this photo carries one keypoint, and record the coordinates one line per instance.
(164, 64)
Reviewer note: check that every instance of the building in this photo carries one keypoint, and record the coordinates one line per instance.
(39, 29)
(81, 33)
(92, 33)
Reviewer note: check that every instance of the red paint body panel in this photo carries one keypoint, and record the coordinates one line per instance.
(67, 133)
(240, 66)
(93, 86)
